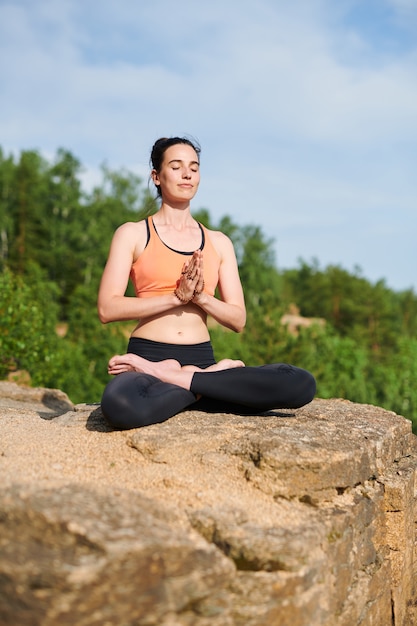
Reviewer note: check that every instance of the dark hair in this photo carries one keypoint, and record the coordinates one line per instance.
(161, 146)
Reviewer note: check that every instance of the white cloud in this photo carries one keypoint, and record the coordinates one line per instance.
(405, 10)
(279, 72)
(304, 121)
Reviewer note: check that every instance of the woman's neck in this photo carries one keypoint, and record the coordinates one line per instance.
(174, 215)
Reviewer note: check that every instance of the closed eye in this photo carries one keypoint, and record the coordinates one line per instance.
(175, 165)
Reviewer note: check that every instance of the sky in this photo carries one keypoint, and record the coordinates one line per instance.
(306, 111)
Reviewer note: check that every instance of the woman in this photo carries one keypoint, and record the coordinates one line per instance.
(175, 265)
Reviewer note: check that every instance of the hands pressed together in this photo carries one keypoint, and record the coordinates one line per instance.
(191, 283)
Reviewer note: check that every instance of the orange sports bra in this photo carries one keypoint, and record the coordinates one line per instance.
(157, 270)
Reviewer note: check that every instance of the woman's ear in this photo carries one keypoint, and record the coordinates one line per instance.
(155, 177)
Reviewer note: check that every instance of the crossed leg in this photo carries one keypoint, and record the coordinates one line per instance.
(146, 392)
(169, 370)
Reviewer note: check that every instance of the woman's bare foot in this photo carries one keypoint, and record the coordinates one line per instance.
(133, 363)
(129, 362)
(169, 371)
(225, 364)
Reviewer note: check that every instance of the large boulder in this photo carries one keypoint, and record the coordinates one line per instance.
(298, 518)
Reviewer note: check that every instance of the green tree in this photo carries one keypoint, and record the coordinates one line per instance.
(62, 203)
(54, 241)
(27, 209)
(28, 319)
(7, 192)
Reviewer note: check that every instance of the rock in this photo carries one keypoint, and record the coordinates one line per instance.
(301, 518)
(49, 402)
(84, 558)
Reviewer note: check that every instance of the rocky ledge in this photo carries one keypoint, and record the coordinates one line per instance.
(303, 518)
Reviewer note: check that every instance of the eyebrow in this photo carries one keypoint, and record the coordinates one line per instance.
(181, 161)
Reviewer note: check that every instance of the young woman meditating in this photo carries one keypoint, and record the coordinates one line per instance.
(175, 265)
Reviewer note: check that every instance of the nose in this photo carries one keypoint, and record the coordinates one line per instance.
(186, 173)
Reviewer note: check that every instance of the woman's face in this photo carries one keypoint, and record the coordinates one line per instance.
(179, 175)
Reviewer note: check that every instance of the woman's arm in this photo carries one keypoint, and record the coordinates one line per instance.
(112, 303)
(230, 311)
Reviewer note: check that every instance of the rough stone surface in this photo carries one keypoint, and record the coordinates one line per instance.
(303, 518)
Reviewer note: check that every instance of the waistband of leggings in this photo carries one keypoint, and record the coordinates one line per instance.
(199, 354)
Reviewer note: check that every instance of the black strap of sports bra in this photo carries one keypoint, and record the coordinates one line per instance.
(203, 237)
(148, 232)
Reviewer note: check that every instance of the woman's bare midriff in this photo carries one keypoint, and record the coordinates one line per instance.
(184, 325)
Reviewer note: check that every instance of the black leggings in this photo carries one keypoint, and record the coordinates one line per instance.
(133, 399)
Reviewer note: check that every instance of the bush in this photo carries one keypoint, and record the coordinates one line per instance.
(28, 318)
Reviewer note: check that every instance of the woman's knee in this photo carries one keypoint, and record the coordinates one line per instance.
(121, 402)
(134, 400)
(297, 385)
(307, 387)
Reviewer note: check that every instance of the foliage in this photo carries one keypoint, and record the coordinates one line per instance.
(28, 317)
(54, 241)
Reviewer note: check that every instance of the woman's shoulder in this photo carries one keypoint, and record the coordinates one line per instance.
(216, 235)
(131, 231)
(220, 241)
(131, 228)
(131, 236)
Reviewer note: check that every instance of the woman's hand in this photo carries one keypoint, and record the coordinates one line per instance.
(199, 287)
(191, 282)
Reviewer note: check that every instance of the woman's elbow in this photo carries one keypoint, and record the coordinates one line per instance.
(103, 313)
(239, 324)
(103, 318)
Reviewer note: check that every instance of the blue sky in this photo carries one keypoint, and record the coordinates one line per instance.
(306, 110)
